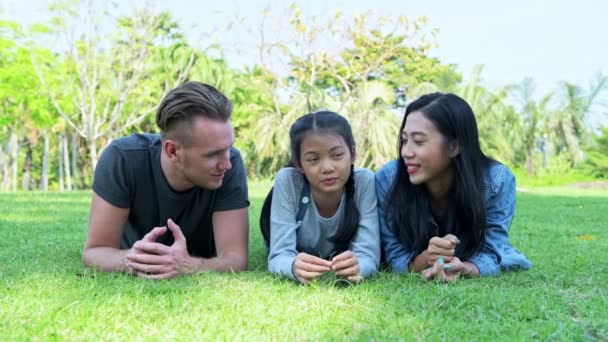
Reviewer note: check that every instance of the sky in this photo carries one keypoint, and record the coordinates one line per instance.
(547, 40)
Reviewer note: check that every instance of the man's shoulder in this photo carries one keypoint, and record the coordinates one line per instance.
(135, 142)
(235, 155)
(238, 166)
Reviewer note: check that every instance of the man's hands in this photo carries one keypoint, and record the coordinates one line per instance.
(308, 267)
(150, 259)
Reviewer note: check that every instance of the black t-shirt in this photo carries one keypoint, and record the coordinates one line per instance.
(129, 175)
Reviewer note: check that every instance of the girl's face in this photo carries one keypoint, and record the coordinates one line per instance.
(326, 160)
(426, 154)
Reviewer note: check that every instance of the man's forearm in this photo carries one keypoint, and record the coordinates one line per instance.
(229, 262)
(106, 259)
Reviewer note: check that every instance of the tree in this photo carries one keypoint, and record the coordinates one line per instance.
(364, 75)
(568, 124)
(533, 116)
(24, 108)
(107, 75)
(597, 155)
(497, 122)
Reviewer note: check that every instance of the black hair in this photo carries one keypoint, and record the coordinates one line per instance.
(409, 210)
(330, 123)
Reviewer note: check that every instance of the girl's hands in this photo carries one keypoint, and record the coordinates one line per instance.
(308, 267)
(346, 266)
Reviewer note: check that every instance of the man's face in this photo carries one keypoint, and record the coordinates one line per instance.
(206, 159)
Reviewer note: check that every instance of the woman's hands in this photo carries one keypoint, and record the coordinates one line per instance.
(439, 247)
(439, 262)
(308, 267)
(444, 247)
(443, 272)
(450, 272)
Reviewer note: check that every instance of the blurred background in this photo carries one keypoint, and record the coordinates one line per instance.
(74, 75)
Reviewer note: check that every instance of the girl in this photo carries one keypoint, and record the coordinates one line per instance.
(444, 207)
(335, 228)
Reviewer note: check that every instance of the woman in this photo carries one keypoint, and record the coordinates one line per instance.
(444, 207)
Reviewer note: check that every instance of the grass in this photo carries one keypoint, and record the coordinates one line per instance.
(46, 294)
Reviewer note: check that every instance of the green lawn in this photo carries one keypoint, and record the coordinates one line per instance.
(46, 294)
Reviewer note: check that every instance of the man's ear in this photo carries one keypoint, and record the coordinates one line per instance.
(170, 147)
(454, 148)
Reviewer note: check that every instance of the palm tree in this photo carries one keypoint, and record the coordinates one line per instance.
(497, 122)
(568, 124)
(533, 118)
(375, 126)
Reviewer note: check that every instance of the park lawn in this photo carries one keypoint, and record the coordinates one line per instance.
(46, 294)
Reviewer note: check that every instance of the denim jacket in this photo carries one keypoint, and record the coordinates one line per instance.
(496, 252)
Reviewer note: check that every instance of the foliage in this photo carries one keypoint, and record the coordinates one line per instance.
(597, 156)
(89, 73)
(568, 123)
(497, 122)
(364, 75)
(112, 78)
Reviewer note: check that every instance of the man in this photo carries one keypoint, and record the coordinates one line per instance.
(172, 204)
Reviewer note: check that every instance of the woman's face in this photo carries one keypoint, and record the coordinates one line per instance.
(426, 154)
(326, 160)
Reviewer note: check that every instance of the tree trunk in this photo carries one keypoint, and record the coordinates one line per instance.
(75, 159)
(66, 163)
(93, 153)
(26, 171)
(44, 173)
(573, 144)
(530, 167)
(4, 167)
(14, 143)
(84, 170)
(60, 160)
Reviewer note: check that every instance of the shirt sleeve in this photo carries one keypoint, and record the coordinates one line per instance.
(233, 192)
(283, 226)
(366, 243)
(112, 180)
(500, 208)
(396, 254)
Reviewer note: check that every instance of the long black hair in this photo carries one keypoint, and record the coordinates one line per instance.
(409, 211)
(327, 123)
